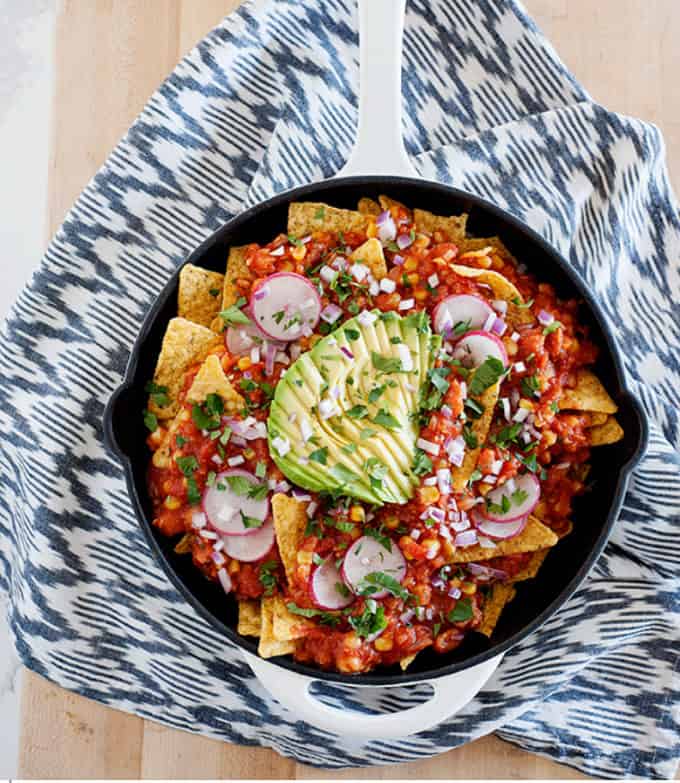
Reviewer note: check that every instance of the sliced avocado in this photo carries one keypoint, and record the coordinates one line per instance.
(344, 415)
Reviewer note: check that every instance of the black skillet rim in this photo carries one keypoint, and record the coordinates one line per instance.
(388, 182)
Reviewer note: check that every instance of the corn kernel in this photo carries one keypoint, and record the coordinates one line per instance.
(413, 278)
(439, 261)
(410, 265)
(549, 437)
(526, 404)
(305, 557)
(248, 453)
(383, 643)
(184, 415)
(468, 588)
(161, 459)
(357, 514)
(421, 241)
(172, 503)
(391, 523)
(299, 252)
(244, 363)
(233, 567)
(429, 495)
(484, 488)
(420, 295)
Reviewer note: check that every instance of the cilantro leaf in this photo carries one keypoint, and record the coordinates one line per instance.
(187, 464)
(320, 455)
(250, 522)
(422, 464)
(385, 364)
(461, 612)
(379, 580)
(150, 421)
(385, 419)
(488, 373)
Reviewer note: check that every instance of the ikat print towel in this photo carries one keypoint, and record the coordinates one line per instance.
(266, 102)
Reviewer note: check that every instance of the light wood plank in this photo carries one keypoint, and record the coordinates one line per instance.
(111, 55)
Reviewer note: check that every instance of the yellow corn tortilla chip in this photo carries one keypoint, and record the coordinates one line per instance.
(249, 618)
(287, 626)
(185, 343)
(211, 379)
(480, 429)
(368, 207)
(588, 395)
(453, 226)
(404, 663)
(474, 245)
(371, 255)
(595, 419)
(237, 269)
(535, 536)
(269, 646)
(609, 432)
(389, 203)
(501, 288)
(532, 567)
(500, 595)
(305, 217)
(195, 302)
(290, 521)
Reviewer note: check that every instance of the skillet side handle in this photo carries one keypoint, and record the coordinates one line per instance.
(450, 694)
(379, 147)
(112, 413)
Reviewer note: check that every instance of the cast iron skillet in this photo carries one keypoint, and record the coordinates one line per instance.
(594, 513)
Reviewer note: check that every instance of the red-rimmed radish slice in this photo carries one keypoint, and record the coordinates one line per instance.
(368, 556)
(523, 499)
(285, 306)
(224, 507)
(473, 349)
(253, 547)
(499, 531)
(461, 308)
(328, 589)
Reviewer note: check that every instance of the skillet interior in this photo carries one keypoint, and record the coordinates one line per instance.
(594, 512)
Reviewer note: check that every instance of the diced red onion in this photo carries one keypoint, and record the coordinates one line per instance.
(405, 357)
(407, 616)
(415, 534)
(430, 481)
(217, 459)
(282, 445)
(282, 486)
(225, 580)
(505, 402)
(359, 272)
(515, 337)
(519, 367)
(306, 429)
(374, 287)
(218, 558)
(340, 264)
(485, 572)
(239, 459)
(387, 231)
(521, 414)
(433, 280)
(327, 408)
(444, 480)
(404, 241)
(490, 321)
(209, 535)
(466, 538)
(261, 292)
(488, 479)
(545, 318)
(406, 304)
(218, 546)
(499, 327)
(398, 260)
(428, 446)
(198, 520)
(327, 274)
(454, 592)
(300, 495)
(269, 354)
(311, 508)
(459, 527)
(486, 543)
(446, 411)
(347, 351)
(387, 285)
(278, 251)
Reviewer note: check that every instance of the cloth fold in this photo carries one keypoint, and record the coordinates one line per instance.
(265, 102)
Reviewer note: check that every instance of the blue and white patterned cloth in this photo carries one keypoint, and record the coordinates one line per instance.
(266, 102)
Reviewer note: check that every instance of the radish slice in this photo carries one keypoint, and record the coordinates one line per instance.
(224, 507)
(522, 499)
(367, 556)
(325, 582)
(499, 531)
(247, 549)
(461, 308)
(473, 349)
(285, 306)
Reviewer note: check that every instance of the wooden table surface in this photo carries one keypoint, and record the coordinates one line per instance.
(110, 56)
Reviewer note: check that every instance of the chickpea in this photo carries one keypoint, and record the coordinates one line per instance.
(448, 640)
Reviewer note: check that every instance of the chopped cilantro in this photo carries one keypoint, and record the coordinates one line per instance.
(180, 440)
(486, 375)
(352, 334)
(320, 456)
(379, 536)
(376, 393)
(150, 421)
(552, 327)
(234, 315)
(476, 410)
(267, 577)
(366, 433)
(158, 393)
(379, 580)
(250, 522)
(187, 464)
(369, 623)
(357, 412)
(320, 213)
(385, 419)
(522, 305)
(471, 440)
(422, 464)
(193, 493)
(530, 385)
(385, 363)
(349, 448)
(461, 612)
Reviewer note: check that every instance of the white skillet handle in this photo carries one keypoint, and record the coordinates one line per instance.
(450, 695)
(379, 148)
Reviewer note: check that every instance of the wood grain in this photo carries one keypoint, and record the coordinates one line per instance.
(110, 56)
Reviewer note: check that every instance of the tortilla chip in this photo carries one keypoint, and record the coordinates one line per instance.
(609, 432)
(211, 379)
(368, 207)
(453, 226)
(534, 536)
(503, 289)
(588, 395)
(287, 626)
(290, 521)
(371, 255)
(389, 203)
(475, 245)
(249, 618)
(306, 217)
(480, 428)
(531, 569)
(595, 419)
(269, 646)
(404, 663)
(200, 294)
(500, 595)
(185, 343)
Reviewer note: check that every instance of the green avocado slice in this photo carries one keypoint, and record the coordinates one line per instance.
(344, 415)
